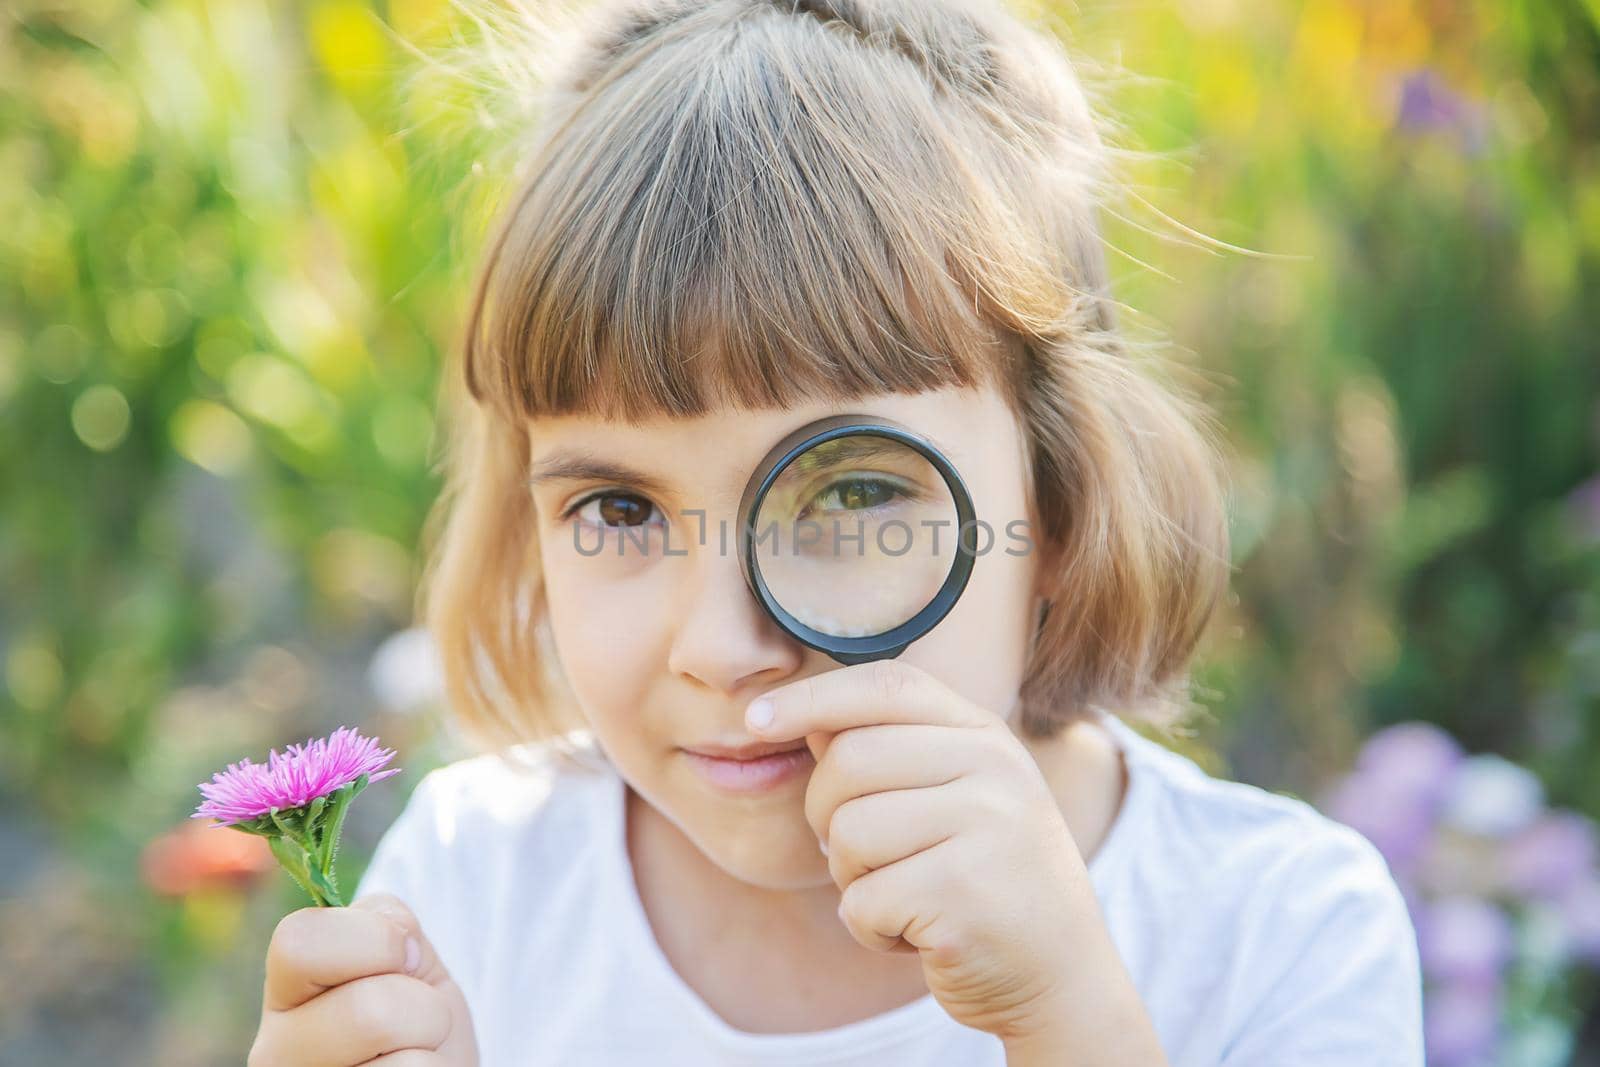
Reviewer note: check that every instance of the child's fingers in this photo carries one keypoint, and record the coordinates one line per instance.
(426, 964)
(314, 949)
(359, 1021)
(881, 691)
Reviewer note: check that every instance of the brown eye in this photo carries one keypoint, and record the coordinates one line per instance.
(860, 493)
(614, 509)
(864, 493)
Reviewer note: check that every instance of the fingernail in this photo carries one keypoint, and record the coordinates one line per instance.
(758, 715)
(823, 845)
(413, 955)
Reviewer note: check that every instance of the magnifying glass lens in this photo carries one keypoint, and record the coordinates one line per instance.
(856, 535)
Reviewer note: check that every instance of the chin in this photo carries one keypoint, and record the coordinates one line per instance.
(763, 849)
(774, 867)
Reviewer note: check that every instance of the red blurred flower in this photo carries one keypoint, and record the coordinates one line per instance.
(190, 858)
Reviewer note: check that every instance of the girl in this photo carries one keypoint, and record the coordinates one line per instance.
(693, 840)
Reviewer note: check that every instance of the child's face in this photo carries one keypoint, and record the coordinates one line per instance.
(664, 651)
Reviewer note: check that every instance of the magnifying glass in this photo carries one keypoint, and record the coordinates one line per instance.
(856, 536)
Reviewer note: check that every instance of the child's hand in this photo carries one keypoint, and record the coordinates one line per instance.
(945, 839)
(360, 985)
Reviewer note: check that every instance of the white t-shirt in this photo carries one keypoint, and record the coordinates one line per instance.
(1258, 932)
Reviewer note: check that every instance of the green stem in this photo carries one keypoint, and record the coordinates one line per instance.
(293, 859)
(306, 841)
(302, 859)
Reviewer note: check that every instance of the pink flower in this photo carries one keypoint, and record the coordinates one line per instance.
(293, 779)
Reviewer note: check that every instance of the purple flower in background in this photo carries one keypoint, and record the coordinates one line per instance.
(1461, 1023)
(1427, 103)
(1393, 797)
(1401, 831)
(1551, 857)
(1463, 939)
(1413, 758)
(294, 779)
(1496, 883)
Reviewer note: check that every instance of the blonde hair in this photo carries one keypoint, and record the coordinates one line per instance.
(756, 202)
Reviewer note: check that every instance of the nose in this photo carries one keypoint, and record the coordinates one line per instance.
(724, 640)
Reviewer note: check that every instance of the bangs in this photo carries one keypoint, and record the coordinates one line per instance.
(764, 203)
(733, 223)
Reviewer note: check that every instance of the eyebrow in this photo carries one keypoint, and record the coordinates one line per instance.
(565, 465)
(849, 449)
(570, 466)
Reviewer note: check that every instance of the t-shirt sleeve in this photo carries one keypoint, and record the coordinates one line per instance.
(1334, 958)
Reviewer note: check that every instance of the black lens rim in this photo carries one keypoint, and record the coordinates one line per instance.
(890, 643)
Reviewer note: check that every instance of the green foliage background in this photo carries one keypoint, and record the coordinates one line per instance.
(228, 281)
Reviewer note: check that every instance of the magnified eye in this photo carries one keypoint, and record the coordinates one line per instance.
(858, 493)
(612, 510)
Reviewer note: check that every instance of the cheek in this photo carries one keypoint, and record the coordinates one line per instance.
(608, 621)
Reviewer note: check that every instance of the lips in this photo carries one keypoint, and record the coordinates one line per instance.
(753, 750)
(769, 769)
